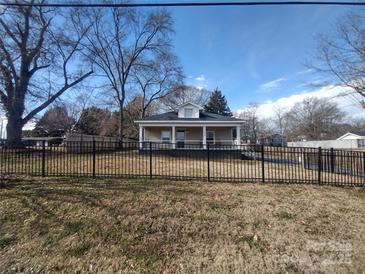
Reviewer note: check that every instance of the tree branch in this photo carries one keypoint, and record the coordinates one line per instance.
(50, 100)
(3, 97)
(8, 31)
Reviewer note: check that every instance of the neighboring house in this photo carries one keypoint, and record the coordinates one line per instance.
(189, 125)
(350, 140)
(276, 140)
(352, 136)
(38, 141)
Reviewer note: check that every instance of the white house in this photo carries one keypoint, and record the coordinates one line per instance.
(352, 136)
(189, 125)
(350, 140)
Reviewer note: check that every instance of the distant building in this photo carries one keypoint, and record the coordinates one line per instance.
(38, 141)
(356, 135)
(275, 140)
(350, 140)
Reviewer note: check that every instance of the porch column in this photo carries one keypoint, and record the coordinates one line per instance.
(173, 139)
(204, 137)
(238, 135)
(140, 137)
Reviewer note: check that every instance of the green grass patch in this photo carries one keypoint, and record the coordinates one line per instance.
(5, 241)
(284, 215)
(260, 223)
(73, 227)
(256, 242)
(148, 261)
(80, 249)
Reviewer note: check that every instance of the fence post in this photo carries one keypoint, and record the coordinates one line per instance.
(94, 158)
(363, 162)
(43, 158)
(208, 162)
(263, 163)
(332, 155)
(319, 164)
(150, 160)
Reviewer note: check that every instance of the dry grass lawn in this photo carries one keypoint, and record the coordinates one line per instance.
(136, 226)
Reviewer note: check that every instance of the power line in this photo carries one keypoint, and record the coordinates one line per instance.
(186, 4)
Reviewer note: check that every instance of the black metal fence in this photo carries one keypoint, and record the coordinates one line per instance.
(239, 163)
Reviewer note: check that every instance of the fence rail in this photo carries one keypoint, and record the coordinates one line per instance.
(239, 163)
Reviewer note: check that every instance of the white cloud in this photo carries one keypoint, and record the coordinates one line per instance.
(200, 87)
(268, 86)
(308, 70)
(200, 78)
(200, 81)
(333, 93)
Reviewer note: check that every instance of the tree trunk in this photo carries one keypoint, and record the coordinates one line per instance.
(14, 130)
(121, 124)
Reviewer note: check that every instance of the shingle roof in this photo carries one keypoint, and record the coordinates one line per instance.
(360, 133)
(204, 116)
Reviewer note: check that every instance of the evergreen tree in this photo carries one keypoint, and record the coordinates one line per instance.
(218, 104)
(97, 121)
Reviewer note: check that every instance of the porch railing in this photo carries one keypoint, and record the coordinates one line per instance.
(194, 144)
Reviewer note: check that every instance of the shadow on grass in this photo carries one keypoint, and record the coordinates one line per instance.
(42, 196)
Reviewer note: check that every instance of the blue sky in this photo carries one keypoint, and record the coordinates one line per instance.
(250, 53)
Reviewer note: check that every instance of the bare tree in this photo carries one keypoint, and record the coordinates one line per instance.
(35, 39)
(280, 121)
(133, 111)
(315, 119)
(183, 94)
(123, 39)
(157, 79)
(250, 126)
(96, 121)
(77, 104)
(341, 56)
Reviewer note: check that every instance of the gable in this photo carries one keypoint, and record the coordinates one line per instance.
(195, 114)
(189, 110)
(350, 136)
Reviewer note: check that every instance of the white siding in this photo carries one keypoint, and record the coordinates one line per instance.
(181, 113)
(340, 144)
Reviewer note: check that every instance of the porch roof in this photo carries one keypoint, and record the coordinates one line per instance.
(172, 117)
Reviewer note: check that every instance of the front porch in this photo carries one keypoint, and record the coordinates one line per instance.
(189, 137)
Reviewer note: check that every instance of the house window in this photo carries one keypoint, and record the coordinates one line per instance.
(210, 137)
(188, 113)
(361, 143)
(165, 136)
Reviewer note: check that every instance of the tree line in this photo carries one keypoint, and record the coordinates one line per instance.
(46, 52)
(93, 120)
(312, 119)
(127, 56)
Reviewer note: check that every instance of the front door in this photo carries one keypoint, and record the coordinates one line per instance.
(180, 138)
(210, 137)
